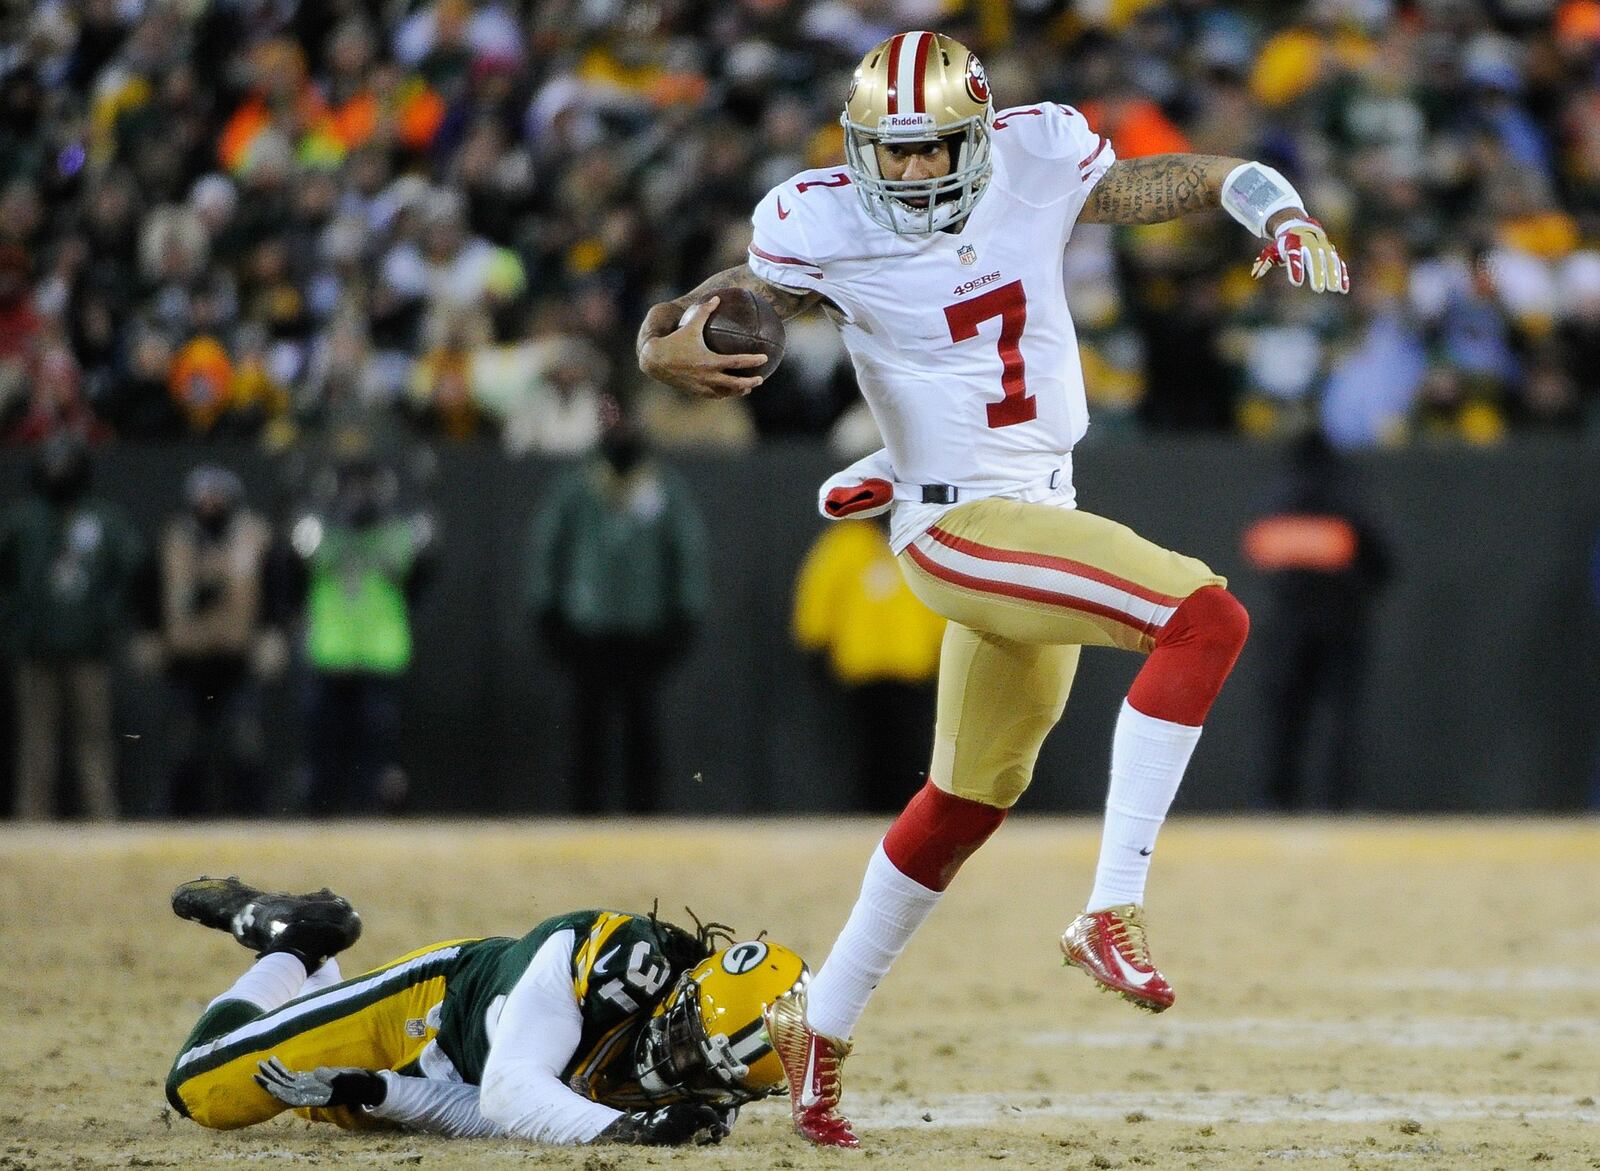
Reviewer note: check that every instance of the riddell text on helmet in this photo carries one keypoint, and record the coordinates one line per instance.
(904, 122)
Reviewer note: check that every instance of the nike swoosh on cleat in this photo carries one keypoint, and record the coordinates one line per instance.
(1129, 973)
(1146, 853)
(808, 1097)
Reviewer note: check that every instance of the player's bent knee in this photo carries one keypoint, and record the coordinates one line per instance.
(1211, 615)
(937, 832)
(1233, 620)
(1193, 656)
(203, 1110)
(220, 1102)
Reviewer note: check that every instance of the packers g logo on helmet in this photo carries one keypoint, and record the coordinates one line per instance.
(743, 957)
(709, 1036)
(916, 87)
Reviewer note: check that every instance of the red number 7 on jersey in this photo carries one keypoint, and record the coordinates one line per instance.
(1010, 305)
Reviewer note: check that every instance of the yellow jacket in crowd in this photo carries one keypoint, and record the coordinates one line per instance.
(851, 602)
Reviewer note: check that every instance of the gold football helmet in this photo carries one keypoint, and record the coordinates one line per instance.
(916, 87)
(708, 1036)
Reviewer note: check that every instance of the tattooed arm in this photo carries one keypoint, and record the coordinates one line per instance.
(1157, 188)
(677, 354)
(1163, 187)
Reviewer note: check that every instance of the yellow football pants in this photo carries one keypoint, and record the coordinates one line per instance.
(1024, 586)
(379, 1020)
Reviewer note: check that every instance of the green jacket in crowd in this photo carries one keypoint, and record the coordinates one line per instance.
(357, 616)
(65, 578)
(618, 556)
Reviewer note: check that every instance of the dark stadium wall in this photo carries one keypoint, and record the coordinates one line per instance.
(1484, 693)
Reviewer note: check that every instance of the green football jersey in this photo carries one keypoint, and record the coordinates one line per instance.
(622, 966)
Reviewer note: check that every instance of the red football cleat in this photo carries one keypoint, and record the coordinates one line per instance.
(1110, 945)
(811, 1065)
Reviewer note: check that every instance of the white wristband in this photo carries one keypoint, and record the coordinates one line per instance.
(1253, 193)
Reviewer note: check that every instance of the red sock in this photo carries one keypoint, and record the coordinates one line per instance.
(1193, 654)
(936, 833)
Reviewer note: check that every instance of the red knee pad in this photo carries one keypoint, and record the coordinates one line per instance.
(1192, 657)
(936, 833)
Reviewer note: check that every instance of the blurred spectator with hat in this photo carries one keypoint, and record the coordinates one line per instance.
(616, 585)
(68, 562)
(363, 563)
(1326, 564)
(221, 635)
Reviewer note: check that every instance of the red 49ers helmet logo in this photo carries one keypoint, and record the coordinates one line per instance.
(977, 79)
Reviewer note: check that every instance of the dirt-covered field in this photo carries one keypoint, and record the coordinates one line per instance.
(1397, 994)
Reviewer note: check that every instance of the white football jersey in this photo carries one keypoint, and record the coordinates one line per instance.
(962, 343)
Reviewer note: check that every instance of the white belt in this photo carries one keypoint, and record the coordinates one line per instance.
(956, 493)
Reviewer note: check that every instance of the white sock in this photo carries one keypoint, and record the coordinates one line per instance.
(324, 977)
(887, 914)
(1148, 757)
(273, 980)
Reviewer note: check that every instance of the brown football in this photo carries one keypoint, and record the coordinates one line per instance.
(744, 323)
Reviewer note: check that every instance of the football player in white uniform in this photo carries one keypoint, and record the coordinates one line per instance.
(937, 251)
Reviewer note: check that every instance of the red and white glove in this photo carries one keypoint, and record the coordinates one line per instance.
(865, 488)
(1303, 248)
(874, 495)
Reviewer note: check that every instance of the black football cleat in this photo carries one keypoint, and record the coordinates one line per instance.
(310, 927)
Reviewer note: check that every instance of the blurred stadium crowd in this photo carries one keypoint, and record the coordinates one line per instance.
(275, 220)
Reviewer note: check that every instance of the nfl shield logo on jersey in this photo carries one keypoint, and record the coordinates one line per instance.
(968, 254)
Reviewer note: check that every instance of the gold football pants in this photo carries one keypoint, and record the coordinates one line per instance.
(1024, 586)
(379, 1020)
